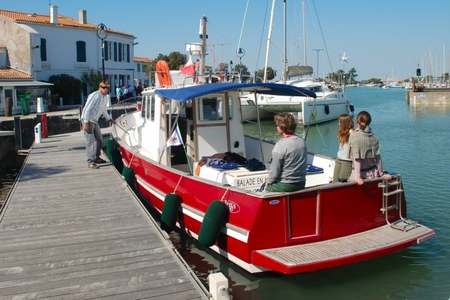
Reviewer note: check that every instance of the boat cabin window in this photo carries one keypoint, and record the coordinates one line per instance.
(211, 109)
(148, 107)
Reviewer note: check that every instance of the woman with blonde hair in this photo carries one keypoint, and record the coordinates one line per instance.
(343, 163)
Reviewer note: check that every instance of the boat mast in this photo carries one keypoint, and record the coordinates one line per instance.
(285, 62)
(269, 38)
(305, 61)
(203, 37)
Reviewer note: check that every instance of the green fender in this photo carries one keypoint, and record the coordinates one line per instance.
(215, 218)
(170, 212)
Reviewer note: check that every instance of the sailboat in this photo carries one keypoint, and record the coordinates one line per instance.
(329, 103)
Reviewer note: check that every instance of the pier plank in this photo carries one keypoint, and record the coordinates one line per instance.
(70, 232)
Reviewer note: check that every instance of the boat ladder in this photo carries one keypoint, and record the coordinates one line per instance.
(392, 196)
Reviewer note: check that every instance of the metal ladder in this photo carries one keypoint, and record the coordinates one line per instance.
(393, 187)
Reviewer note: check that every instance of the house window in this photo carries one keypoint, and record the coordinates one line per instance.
(115, 51)
(105, 49)
(120, 51)
(81, 51)
(128, 53)
(43, 48)
(139, 67)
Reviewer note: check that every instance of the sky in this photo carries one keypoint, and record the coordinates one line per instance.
(385, 39)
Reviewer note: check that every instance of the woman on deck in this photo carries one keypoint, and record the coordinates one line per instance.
(364, 150)
(343, 163)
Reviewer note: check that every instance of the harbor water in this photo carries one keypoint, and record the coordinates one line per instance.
(414, 143)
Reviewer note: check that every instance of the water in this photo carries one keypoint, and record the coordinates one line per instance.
(415, 143)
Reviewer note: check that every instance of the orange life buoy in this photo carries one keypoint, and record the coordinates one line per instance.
(163, 73)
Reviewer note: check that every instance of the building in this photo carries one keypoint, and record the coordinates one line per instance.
(46, 45)
(142, 71)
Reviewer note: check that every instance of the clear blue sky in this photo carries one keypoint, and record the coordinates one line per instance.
(384, 38)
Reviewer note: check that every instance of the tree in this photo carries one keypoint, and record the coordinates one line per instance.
(91, 80)
(351, 76)
(242, 71)
(271, 73)
(67, 87)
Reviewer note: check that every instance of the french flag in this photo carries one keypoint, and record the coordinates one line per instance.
(189, 68)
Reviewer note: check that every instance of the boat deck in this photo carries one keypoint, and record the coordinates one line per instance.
(354, 248)
(70, 232)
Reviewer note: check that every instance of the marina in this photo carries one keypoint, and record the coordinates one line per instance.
(195, 193)
(63, 238)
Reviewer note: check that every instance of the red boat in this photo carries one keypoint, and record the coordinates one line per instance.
(191, 160)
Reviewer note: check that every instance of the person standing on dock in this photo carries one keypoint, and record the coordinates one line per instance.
(96, 106)
(288, 163)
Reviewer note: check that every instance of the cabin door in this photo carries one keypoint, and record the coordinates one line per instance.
(209, 131)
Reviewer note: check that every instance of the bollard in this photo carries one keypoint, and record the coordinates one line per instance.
(18, 132)
(218, 286)
(39, 104)
(37, 133)
(44, 131)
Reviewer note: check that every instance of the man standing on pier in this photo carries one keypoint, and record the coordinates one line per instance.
(96, 106)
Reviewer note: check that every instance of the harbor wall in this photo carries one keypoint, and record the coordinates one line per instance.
(429, 97)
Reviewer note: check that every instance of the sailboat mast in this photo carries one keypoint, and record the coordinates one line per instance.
(285, 60)
(269, 38)
(305, 61)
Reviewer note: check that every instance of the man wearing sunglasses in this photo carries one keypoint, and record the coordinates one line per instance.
(96, 106)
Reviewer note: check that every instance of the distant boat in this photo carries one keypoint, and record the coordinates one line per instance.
(328, 104)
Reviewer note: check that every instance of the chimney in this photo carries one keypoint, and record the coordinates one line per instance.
(53, 14)
(82, 16)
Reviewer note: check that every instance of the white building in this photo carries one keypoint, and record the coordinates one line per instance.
(46, 45)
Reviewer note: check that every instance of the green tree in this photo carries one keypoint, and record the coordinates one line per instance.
(176, 60)
(271, 73)
(242, 71)
(91, 80)
(351, 76)
(67, 87)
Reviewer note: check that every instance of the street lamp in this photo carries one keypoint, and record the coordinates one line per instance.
(317, 61)
(102, 34)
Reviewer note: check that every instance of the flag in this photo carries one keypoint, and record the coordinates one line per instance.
(189, 68)
(175, 138)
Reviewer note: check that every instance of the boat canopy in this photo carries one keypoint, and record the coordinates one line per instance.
(187, 93)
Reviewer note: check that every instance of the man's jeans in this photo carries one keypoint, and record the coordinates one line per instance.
(93, 138)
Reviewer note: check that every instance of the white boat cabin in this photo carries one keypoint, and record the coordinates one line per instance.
(210, 126)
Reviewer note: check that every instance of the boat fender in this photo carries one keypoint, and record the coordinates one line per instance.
(128, 175)
(215, 218)
(327, 109)
(113, 153)
(170, 212)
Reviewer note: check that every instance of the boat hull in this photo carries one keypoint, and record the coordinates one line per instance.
(260, 222)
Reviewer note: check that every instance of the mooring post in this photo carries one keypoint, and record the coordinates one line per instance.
(18, 132)
(218, 286)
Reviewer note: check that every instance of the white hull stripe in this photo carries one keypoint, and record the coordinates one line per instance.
(230, 230)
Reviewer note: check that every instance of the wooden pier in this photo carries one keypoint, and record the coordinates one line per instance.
(70, 232)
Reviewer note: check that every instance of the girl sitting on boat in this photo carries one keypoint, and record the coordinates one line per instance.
(364, 150)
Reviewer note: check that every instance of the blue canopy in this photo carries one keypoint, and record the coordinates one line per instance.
(186, 93)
